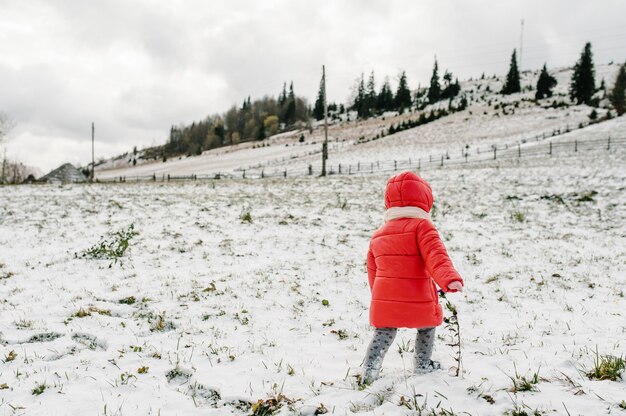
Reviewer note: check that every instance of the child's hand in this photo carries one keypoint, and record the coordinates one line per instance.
(455, 286)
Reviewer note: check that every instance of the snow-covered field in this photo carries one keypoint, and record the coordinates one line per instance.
(239, 291)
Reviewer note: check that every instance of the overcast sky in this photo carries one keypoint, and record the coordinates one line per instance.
(135, 67)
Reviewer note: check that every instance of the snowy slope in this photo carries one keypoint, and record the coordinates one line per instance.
(229, 311)
(484, 123)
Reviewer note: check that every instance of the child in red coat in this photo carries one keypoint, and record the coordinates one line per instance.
(406, 258)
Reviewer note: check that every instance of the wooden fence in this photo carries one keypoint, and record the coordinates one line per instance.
(546, 148)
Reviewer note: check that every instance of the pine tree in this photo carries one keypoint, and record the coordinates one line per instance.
(545, 83)
(370, 96)
(512, 84)
(455, 88)
(403, 95)
(290, 113)
(451, 90)
(282, 97)
(318, 110)
(434, 92)
(617, 97)
(359, 100)
(385, 97)
(583, 83)
(447, 77)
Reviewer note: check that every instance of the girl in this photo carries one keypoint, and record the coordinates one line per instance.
(405, 256)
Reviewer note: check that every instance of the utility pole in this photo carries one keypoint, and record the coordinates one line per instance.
(325, 145)
(93, 164)
(521, 43)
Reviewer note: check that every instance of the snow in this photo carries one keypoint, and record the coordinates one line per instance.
(249, 289)
(229, 312)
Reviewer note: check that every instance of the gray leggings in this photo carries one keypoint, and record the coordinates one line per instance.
(382, 340)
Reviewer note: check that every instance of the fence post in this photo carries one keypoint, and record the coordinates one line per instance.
(395, 165)
(262, 173)
(608, 146)
(340, 168)
(550, 148)
(358, 166)
(168, 177)
(441, 160)
(310, 170)
(465, 157)
(285, 173)
(576, 145)
(154, 177)
(377, 164)
(419, 163)
(519, 150)
(244, 174)
(495, 148)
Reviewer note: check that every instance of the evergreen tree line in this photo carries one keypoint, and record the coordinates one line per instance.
(582, 85)
(254, 120)
(368, 102)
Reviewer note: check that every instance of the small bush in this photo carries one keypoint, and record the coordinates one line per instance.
(520, 411)
(518, 216)
(10, 356)
(607, 367)
(341, 333)
(112, 248)
(246, 216)
(270, 406)
(522, 383)
(593, 115)
(128, 300)
(159, 324)
(39, 389)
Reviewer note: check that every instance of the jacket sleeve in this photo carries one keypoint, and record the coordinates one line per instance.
(371, 268)
(435, 256)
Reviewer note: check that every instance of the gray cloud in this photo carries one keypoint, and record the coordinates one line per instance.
(137, 67)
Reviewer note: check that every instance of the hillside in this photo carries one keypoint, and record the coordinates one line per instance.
(490, 119)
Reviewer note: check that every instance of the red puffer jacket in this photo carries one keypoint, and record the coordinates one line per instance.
(404, 257)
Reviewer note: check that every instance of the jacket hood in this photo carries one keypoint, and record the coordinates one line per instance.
(407, 189)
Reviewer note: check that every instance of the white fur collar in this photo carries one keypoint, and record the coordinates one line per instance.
(405, 212)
